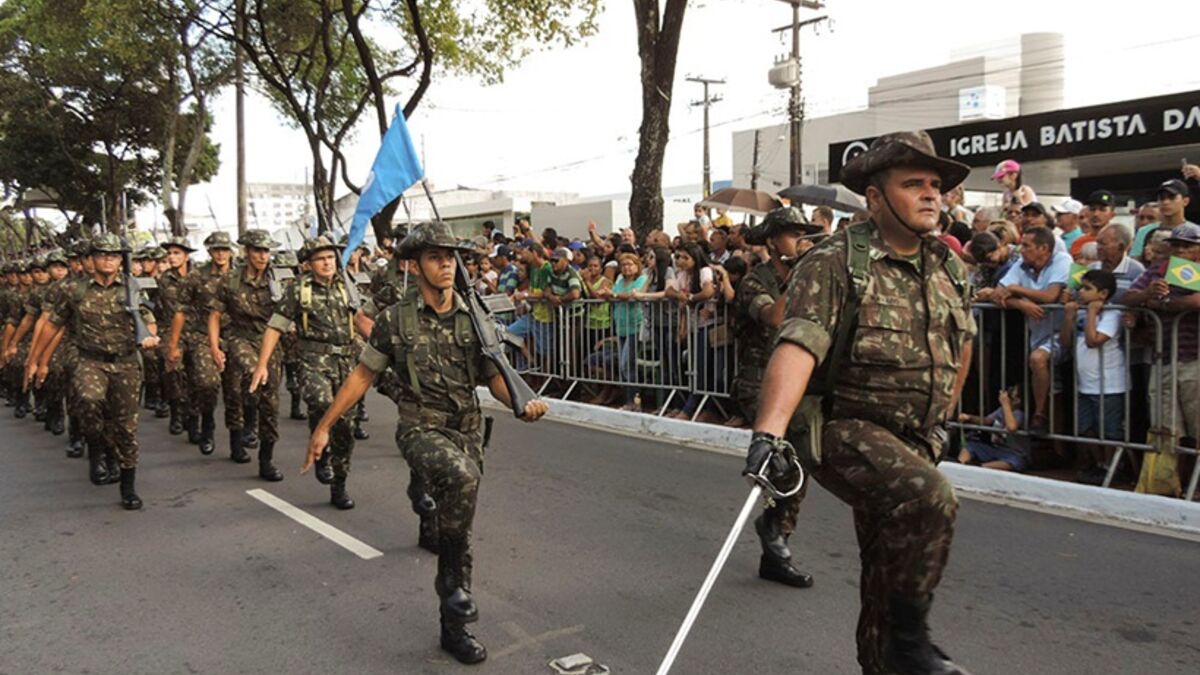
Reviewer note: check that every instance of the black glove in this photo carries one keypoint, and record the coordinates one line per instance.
(771, 450)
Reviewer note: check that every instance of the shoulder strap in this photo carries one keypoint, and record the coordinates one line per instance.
(406, 324)
(858, 268)
(305, 301)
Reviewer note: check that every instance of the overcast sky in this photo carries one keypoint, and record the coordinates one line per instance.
(567, 120)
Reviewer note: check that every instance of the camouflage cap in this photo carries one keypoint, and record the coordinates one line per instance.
(56, 257)
(902, 148)
(82, 247)
(258, 239)
(139, 254)
(8, 268)
(178, 242)
(218, 240)
(22, 266)
(108, 243)
(284, 259)
(320, 243)
(430, 235)
(38, 262)
(156, 253)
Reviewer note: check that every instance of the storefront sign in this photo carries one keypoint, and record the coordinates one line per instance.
(1114, 127)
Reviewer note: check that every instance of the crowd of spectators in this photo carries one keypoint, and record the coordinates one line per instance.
(1067, 336)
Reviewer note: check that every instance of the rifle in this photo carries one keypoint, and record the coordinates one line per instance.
(141, 332)
(351, 289)
(489, 329)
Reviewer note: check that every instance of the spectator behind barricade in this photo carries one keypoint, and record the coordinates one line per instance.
(694, 288)
(1111, 246)
(718, 246)
(1179, 372)
(1101, 207)
(700, 216)
(627, 321)
(1038, 280)
(943, 234)
(1066, 219)
(1147, 214)
(984, 217)
(723, 219)
(1008, 174)
(1191, 176)
(1087, 255)
(1001, 451)
(1173, 200)
(961, 232)
(579, 254)
(508, 276)
(1094, 332)
(952, 203)
(991, 258)
(1012, 213)
(566, 286)
(1006, 232)
(540, 272)
(823, 216)
(1157, 247)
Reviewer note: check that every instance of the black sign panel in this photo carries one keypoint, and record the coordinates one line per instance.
(1113, 127)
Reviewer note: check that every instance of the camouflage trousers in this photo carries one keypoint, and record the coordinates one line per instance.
(448, 463)
(152, 369)
(241, 356)
(904, 511)
(204, 382)
(106, 403)
(321, 375)
(781, 513)
(14, 371)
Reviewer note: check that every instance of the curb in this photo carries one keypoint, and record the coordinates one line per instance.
(1173, 517)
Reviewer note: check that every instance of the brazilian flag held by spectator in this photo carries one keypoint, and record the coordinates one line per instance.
(1183, 273)
(1075, 278)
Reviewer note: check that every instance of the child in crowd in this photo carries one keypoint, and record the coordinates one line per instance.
(1000, 451)
(1099, 364)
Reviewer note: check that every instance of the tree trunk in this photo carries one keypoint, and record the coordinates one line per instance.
(658, 46)
(179, 226)
(168, 158)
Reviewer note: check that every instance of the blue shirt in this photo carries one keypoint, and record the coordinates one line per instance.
(1056, 272)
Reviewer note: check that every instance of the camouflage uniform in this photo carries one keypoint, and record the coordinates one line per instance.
(108, 377)
(323, 317)
(152, 362)
(249, 302)
(175, 382)
(878, 445)
(289, 343)
(194, 300)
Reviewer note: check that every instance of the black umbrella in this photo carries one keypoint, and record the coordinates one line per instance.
(834, 196)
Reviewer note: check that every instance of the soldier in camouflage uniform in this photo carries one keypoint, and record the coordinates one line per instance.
(248, 296)
(891, 386)
(429, 339)
(319, 306)
(39, 306)
(152, 363)
(175, 384)
(785, 232)
(14, 301)
(188, 343)
(108, 376)
(7, 294)
(19, 345)
(356, 269)
(289, 343)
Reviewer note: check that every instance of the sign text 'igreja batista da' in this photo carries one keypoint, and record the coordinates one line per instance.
(1113, 127)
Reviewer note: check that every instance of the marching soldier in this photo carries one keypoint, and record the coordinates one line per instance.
(785, 232)
(40, 305)
(188, 345)
(150, 257)
(15, 346)
(248, 296)
(175, 384)
(884, 310)
(319, 306)
(429, 339)
(108, 376)
(289, 343)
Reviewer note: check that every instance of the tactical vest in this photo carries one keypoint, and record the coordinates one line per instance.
(306, 303)
(404, 316)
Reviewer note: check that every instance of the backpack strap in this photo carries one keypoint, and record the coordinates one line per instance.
(464, 333)
(858, 268)
(406, 313)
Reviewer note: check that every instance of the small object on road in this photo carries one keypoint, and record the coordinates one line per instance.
(578, 664)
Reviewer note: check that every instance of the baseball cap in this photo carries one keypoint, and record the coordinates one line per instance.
(560, 254)
(1036, 206)
(1007, 166)
(1187, 233)
(1101, 198)
(504, 251)
(1173, 186)
(576, 245)
(1069, 205)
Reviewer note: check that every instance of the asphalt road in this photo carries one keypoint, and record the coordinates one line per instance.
(585, 542)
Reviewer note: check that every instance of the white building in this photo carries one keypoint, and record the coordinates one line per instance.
(275, 206)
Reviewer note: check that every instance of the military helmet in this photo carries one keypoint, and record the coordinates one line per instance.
(178, 242)
(56, 257)
(108, 243)
(284, 259)
(156, 253)
(82, 247)
(320, 243)
(22, 266)
(779, 220)
(38, 262)
(218, 240)
(430, 235)
(258, 239)
(8, 268)
(139, 254)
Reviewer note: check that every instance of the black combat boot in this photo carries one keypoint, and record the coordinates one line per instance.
(297, 411)
(776, 561)
(57, 424)
(459, 643)
(907, 649)
(324, 472)
(192, 424)
(151, 394)
(453, 580)
(208, 426)
(250, 435)
(162, 409)
(22, 408)
(176, 425)
(362, 415)
(237, 452)
(39, 409)
(426, 508)
(114, 468)
(97, 471)
(129, 499)
(360, 432)
(338, 495)
(77, 443)
(267, 470)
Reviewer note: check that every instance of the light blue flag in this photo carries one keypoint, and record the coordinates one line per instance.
(396, 168)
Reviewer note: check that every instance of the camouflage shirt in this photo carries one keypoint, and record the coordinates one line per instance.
(326, 318)
(438, 364)
(913, 323)
(34, 300)
(247, 301)
(97, 318)
(196, 296)
(758, 291)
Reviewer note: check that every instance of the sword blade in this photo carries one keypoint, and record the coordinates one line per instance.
(713, 573)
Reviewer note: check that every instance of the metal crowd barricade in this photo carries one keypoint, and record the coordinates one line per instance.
(711, 354)
(1185, 402)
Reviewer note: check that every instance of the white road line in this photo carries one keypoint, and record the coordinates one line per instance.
(355, 546)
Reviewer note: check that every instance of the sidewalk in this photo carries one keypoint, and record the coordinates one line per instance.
(1172, 517)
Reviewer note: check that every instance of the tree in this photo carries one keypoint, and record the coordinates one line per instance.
(658, 46)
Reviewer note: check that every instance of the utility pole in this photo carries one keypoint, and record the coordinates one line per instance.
(754, 163)
(708, 101)
(796, 104)
(239, 75)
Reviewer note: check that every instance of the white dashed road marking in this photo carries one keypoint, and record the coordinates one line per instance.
(346, 541)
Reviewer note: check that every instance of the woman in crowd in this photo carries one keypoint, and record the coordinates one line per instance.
(694, 290)
(627, 322)
(663, 316)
